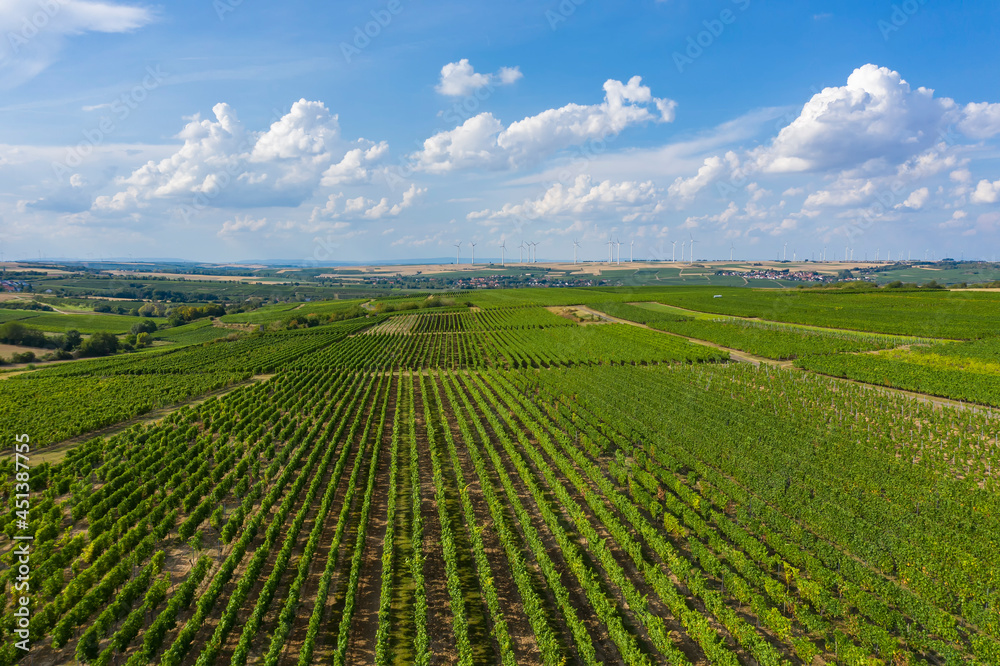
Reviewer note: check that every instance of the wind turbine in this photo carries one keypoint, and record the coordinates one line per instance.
(691, 249)
(784, 252)
(683, 243)
(534, 249)
(458, 257)
(520, 253)
(576, 246)
(673, 251)
(503, 248)
(631, 248)
(619, 244)
(732, 248)
(473, 244)
(611, 252)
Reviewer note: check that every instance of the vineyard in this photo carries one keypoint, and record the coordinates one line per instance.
(780, 341)
(193, 333)
(943, 314)
(947, 375)
(499, 485)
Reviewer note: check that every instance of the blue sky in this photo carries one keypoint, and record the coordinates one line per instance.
(221, 130)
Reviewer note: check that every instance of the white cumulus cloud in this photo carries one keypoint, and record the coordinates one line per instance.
(238, 224)
(223, 164)
(845, 192)
(917, 199)
(369, 209)
(484, 142)
(629, 199)
(980, 120)
(877, 115)
(459, 79)
(686, 188)
(986, 192)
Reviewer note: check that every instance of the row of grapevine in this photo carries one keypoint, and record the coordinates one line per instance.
(777, 341)
(913, 372)
(853, 532)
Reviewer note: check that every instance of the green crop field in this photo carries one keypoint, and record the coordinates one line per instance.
(15, 315)
(937, 314)
(970, 273)
(193, 333)
(501, 484)
(85, 323)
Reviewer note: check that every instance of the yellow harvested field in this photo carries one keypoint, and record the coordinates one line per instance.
(201, 278)
(15, 266)
(7, 350)
(586, 268)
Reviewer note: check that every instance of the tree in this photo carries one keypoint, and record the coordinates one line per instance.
(144, 326)
(99, 344)
(152, 310)
(72, 340)
(16, 333)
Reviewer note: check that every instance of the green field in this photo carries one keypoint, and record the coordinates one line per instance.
(194, 333)
(261, 315)
(933, 314)
(15, 315)
(970, 273)
(85, 323)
